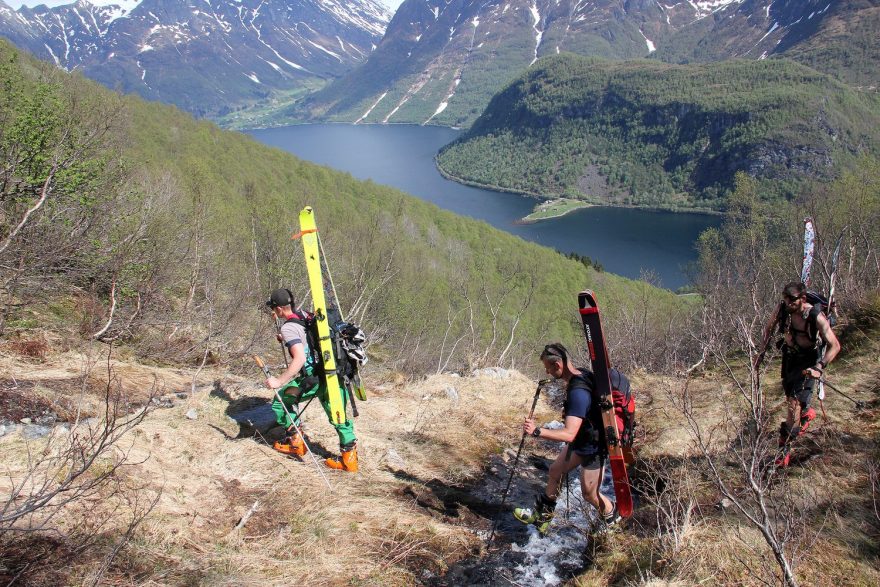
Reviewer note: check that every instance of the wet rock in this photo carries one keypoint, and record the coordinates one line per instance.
(47, 419)
(32, 431)
(192, 414)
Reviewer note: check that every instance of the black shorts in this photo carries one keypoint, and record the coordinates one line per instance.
(593, 459)
(794, 382)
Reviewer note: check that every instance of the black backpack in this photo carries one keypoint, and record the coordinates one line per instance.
(623, 402)
(314, 360)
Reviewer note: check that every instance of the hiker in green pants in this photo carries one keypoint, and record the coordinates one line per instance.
(299, 382)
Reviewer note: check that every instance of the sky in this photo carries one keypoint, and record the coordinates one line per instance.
(392, 4)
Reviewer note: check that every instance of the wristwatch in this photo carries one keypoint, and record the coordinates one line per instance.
(822, 364)
(536, 432)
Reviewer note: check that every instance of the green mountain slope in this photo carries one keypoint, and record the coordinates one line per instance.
(652, 134)
(191, 227)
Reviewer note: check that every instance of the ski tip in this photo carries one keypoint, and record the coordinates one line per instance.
(587, 299)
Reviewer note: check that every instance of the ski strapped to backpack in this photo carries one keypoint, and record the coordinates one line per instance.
(623, 404)
(601, 366)
(335, 345)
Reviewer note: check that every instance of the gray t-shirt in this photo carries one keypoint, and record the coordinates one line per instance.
(293, 333)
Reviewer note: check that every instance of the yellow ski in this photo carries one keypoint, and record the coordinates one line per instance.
(309, 234)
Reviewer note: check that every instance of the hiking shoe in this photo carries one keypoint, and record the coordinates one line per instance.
(806, 418)
(608, 522)
(540, 517)
(783, 458)
(347, 462)
(540, 520)
(292, 445)
(612, 518)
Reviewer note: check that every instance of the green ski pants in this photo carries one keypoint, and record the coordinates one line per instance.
(290, 392)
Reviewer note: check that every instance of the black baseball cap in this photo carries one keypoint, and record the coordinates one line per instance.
(280, 297)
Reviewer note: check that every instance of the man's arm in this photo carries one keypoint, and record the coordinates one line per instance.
(566, 434)
(298, 359)
(832, 347)
(767, 334)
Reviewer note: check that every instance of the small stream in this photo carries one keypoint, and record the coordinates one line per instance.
(519, 555)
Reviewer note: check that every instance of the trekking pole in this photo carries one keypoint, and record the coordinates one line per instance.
(522, 441)
(265, 369)
(860, 405)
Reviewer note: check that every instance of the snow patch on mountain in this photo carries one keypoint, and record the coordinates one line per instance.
(370, 109)
(539, 33)
(651, 46)
(704, 8)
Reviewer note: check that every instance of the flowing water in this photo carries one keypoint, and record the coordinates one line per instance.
(519, 555)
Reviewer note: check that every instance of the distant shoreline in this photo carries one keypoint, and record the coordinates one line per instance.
(550, 197)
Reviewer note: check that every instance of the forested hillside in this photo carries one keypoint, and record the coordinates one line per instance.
(169, 233)
(671, 136)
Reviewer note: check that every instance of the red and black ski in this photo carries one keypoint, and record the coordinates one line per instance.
(601, 365)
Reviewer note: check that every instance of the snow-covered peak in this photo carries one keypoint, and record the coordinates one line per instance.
(707, 7)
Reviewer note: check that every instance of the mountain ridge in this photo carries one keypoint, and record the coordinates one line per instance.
(212, 55)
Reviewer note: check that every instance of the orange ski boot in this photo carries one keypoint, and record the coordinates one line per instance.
(347, 462)
(807, 417)
(292, 445)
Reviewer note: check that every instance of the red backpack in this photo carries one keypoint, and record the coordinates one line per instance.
(624, 407)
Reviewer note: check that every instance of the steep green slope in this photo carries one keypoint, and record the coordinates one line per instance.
(652, 134)
(195, 228)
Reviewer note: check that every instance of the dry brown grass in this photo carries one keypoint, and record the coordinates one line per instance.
(829, 480)
(421, 447)
(384, 526)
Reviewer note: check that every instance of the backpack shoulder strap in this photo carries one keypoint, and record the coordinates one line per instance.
(297, 319)
(584, 381)
(813, 321)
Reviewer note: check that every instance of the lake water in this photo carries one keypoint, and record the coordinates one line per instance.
(624, 240)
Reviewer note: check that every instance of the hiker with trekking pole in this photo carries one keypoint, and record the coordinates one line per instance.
(586, 447)
(300, 381)
(808, 346)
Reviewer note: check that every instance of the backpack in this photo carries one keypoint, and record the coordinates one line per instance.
(623, 401)
(314, 361)
(348, 351)
(624, 407)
